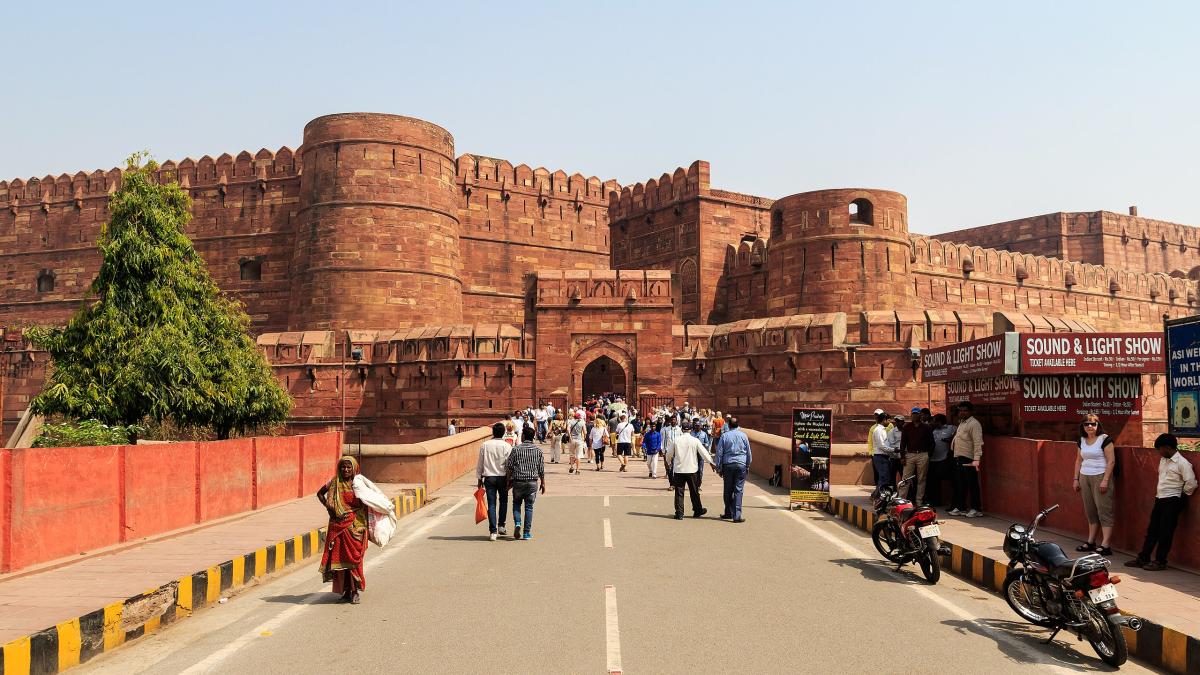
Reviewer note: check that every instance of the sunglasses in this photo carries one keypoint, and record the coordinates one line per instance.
(1090, 424)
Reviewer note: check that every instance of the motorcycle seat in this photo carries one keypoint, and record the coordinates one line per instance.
(1058, 561)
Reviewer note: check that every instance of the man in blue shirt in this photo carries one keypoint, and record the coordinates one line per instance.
(705, 439)
(733, 462)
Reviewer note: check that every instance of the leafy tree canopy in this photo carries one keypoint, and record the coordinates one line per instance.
(160, 341)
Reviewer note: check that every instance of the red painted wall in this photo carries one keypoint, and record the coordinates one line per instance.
(1021, 476)
(226, 478)
(276, 470)
(160, 488)
(57, 502)
(65, 500)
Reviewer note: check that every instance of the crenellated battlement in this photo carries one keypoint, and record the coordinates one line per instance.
(640, 198)
(963, 261)
(226, 169)
(487, 342)
(475, 171)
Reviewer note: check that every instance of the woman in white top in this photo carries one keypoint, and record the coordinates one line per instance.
(597, 439)
(1094, 466)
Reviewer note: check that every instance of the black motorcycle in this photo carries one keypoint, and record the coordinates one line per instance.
(1049, 589)
(907, 533)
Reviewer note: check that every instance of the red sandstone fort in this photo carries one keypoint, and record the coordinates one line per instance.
(474, 286)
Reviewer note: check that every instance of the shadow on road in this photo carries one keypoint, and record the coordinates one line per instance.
(651, 515)
(465, 537)
(882, 570)
(1031, 636)
(323, 598)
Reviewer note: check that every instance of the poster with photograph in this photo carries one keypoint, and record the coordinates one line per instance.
(1183, 378)
(812, 440)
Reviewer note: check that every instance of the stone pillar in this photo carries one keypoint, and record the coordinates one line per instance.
(377, 230)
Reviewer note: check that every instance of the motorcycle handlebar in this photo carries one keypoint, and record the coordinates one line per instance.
(1049, 510)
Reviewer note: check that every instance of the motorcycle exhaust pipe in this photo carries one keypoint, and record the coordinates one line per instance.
(1134, 623)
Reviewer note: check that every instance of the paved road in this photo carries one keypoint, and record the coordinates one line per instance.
(780, 593)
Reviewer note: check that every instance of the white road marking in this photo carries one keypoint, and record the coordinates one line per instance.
(611, 631)
(924, 591)
(607, 533)
(606, 500)
(266, 628)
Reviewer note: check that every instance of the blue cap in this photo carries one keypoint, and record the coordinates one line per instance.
(915, 410)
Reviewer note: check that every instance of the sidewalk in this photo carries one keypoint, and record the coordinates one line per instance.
(259, 542)
(1168, 598)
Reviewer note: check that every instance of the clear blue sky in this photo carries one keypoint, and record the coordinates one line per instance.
(979, 112)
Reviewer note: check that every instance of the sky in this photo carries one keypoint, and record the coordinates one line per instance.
(978, 112)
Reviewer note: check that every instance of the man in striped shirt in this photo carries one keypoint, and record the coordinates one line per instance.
(526, 470)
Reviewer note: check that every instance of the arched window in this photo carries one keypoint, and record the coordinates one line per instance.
(45, 282)
(250, 270)
(861, 211)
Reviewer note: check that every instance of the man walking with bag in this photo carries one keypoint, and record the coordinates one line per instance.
(492, 476)
(733, 462)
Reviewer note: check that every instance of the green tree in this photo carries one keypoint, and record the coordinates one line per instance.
(159, 341)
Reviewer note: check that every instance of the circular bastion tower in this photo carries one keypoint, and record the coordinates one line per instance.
(843, 250)
(377, 228)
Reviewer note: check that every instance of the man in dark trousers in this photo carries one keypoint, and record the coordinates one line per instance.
(683, 456)
(733, 462)
(1176, 478)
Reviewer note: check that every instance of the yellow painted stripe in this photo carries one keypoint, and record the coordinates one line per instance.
(239, 572)
(260, 563)
(999, 572)
(298, 547)
(212, 590)
(278, 556)
(69, 642)
(315, 541)
(977, 567)
(151, 624)
(956, 558)
(114, 634)
(184, 603)
(1131, 641)
(1174, 650)
(408, 504)
(16, 656)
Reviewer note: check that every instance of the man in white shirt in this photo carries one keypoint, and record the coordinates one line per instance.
(492, 477)
(683, 456)
(1176, 478)
(539, 416)
(624, 441)
(879, 444)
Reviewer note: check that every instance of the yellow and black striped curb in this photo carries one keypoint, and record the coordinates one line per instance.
(1164, 647)
(77, 640)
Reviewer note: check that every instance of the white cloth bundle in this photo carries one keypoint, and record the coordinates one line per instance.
(381, 514)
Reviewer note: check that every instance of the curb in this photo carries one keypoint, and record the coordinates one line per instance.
(78, 640)
(1156, 644)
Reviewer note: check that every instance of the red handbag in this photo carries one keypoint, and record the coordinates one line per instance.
(480, 506)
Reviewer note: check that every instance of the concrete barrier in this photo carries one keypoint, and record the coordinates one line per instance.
(59, 502)
(434, 463)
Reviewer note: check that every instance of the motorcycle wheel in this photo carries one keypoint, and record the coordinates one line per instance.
(931, 562)
(887, 540)
(1014, 593)
(1110, 645)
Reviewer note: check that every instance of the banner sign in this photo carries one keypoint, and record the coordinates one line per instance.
(812, 440)
(983, 390)
(986, 357)
(1183, 376)
(1057, 398)
(1092, 353)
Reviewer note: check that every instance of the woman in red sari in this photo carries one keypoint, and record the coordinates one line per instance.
(346, 538)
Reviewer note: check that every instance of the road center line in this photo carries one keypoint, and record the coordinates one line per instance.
(611, 631)
(924, 591)
(607, 533)
(606, 500)
(216, 658)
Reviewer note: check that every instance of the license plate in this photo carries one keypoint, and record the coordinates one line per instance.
(1103, 594)
(930, 531)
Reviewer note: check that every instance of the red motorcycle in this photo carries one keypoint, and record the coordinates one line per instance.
(906, 533)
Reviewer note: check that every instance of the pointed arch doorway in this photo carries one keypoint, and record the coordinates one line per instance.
(604, 376)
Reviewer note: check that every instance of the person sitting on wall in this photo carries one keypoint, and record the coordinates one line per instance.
(1176, 478)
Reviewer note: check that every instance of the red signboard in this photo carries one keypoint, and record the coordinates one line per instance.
(1069, 397)
(1092, 353)
(987, 357)
(983, 390)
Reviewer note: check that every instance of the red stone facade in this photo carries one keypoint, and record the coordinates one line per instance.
(474, 286)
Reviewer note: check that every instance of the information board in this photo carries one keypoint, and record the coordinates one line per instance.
(812, 441)
(1046, 353)
(1183, 376)
(986, 357)
(983, 390)
(1055, 398)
